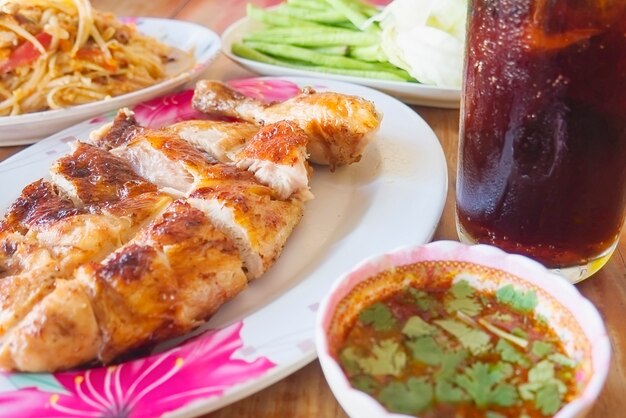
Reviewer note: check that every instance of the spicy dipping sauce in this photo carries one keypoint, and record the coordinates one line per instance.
(450, 350)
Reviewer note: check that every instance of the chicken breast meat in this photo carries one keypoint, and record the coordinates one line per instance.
(141, 234)
(339, 126)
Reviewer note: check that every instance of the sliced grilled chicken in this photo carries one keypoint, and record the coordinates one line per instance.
(91, 175)
(174, 275)
(165, 160)
(45, 235)
(59, 332)
(339, 125)
(249, 212)
(119, 132)
(221, 140)
(277, 157)
(99, 261)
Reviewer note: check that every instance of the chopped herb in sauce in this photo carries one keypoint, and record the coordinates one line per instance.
(459, 352)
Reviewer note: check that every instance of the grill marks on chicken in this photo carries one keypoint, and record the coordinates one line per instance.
(252, 214)
(169, 265)
(142, 234)
(91, 175)
(339, 126)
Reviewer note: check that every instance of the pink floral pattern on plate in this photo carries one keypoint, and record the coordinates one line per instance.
(268, 90)
(166, 110)
(146, 387)
(151, 386)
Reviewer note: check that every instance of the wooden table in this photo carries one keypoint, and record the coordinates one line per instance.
(305, 393)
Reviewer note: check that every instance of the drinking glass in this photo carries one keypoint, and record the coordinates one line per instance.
(542, 151)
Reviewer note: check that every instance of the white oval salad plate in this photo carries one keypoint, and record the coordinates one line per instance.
(412, 93)
(393, 197)
(203, 43)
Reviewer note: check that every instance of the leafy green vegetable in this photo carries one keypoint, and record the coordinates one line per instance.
(511, 354)
(548, 399)
(426, 350)
(349, 360)
(422, 299)
(461, 289)
(542, 387)
(447, 392)
(461, 299)
(417, 327)
(365, 383)
(541, 348)
(491, 414)
(482, 384)
(504, 369)
(466, 305)
(388, 359)
(410, 398)
(521, 301)
(543, 371)
(378, 316)
(474, 340)
(445, 388)
(450, 360)
(559, 358)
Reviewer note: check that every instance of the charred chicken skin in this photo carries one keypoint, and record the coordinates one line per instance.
(140, 235)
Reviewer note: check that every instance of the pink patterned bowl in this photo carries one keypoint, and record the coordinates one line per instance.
(574, 318)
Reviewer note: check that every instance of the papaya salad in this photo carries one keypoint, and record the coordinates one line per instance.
(60, 53)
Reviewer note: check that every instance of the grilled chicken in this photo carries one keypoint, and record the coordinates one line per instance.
(221, 140)
(142, 234)
(339, 126)
(47, 234)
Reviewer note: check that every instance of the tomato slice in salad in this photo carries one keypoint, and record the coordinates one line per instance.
(25, 53)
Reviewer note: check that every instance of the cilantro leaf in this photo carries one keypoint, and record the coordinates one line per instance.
(542, 387)
(379, 316)
(542, 372)
(482, 385)
(559, 358)
(365, 383)
(426, 350)
(349, 360)
(474, 340)
(461, 299)
(466, 305)
(520, 300)
(422, 299)
(541, 349)
(417, 327)
(504, 369)
(388, 359)
(461, 289)
(548, 399)
(450, 360)
(410, 398)
(447, 392)
(491, 414)
(509, 353)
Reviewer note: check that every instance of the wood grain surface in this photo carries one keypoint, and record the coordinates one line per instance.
(305, 393)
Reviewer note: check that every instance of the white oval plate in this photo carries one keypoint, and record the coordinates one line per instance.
(393, 197)
(186, 36)
(412, 93)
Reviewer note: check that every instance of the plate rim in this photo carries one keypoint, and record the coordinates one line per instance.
(282, 370)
